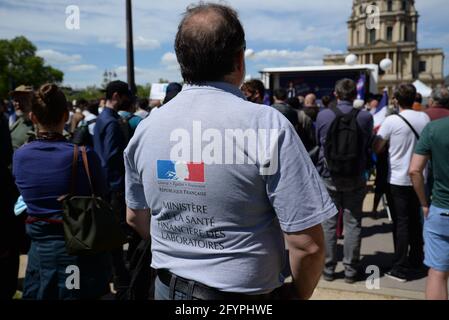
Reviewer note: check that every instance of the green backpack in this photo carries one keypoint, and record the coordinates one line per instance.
(90, 226)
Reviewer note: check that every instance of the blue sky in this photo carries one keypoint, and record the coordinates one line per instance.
(281, 33)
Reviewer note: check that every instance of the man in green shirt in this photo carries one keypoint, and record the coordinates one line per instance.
(434, 145)
(21, 129)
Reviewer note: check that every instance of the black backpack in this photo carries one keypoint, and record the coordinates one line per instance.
(81, 136)
(128, 132)
(343, 146)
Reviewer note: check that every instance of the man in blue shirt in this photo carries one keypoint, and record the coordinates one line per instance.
(348, 193)
(109, 143)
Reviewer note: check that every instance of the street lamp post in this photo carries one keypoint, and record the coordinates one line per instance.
(130, 47)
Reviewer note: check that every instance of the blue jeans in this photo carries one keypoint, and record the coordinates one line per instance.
(162, 292)
(47, 273)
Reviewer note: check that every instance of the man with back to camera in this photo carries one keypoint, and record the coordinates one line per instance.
(346, 187)
(400, 134)
(254, 91)
(218, 225)
(109, 143)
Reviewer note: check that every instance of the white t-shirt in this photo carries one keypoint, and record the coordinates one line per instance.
(402, 143)
(88, 117)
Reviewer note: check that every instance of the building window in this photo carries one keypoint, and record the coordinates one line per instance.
(404, 5)
(390, 6)
(389, 33)
(372, 36)
(405, 34)
(422, 66)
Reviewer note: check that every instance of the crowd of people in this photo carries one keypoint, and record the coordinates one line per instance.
(217, 231)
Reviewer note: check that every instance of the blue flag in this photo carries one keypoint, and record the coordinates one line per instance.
(361, 87)
(384, 102)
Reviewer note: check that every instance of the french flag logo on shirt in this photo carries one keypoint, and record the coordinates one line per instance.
(180, 171)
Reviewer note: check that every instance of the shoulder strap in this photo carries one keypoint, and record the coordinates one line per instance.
(410, 126)
(337, 111)
(91, 121)
(355, 111)
(86, 167)
(74, 169)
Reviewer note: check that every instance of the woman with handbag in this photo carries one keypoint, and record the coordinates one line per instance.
(46, 169)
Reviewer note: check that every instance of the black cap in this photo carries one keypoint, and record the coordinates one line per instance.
(174, 87)
(172, 90)
(118, 86)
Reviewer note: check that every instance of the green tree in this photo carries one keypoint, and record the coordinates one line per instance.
(20, 65)
(143, 91)
(88, 93)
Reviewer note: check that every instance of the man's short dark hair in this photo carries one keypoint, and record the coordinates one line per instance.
(143, 103)
(117, 86)
(346, 89)
(255, 85)
(207, 43)
(92, 106)
(325, 100)
(294, 103)
(405, 94)
(280, 94)
(418, 98)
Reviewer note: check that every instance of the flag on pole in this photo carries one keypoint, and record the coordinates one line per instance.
(383, 102)
(361, 87)
(381, 111)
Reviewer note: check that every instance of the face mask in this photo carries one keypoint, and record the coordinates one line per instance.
(19, 113)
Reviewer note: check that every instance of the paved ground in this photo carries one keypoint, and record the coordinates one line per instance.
(377, 250)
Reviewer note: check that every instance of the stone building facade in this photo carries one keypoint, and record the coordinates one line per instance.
(395, 37)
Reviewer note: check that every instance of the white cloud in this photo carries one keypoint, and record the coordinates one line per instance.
(55, 57)
(150, 75)
(311, 55)
(249, 53)
(141, 43)
(169, 58)
(170, 61)
(82, 67)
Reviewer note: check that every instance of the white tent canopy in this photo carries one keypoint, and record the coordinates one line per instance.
(424, 90)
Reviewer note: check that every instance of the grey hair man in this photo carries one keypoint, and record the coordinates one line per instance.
(439, 104)
(217, 223)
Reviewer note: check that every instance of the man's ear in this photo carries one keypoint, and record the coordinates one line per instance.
(115, 96)
(66, 116)
(33, 118)
(241, 61)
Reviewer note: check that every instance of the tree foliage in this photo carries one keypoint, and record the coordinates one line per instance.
(20, 65)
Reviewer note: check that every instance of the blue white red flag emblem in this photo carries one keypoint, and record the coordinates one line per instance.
(180, 171)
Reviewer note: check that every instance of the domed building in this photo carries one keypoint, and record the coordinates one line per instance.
(393, 37)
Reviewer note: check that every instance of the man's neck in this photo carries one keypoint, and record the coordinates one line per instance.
(344, 102)
(401, 109)
(109, 105)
